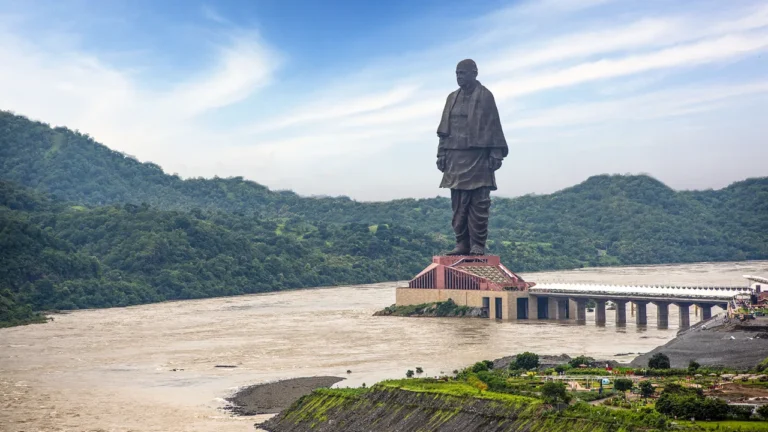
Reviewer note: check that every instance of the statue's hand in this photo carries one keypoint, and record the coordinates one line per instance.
(441, 164)
(494, 163)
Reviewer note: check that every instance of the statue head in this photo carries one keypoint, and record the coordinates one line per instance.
(466, 73)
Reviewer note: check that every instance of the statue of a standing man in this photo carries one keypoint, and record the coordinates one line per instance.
(471, 149)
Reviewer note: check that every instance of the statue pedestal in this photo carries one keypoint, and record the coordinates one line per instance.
(468, 272)
(479, 281)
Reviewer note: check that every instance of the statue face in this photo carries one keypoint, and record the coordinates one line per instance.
(465, 76)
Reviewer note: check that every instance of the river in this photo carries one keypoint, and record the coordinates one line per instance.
(113, 369)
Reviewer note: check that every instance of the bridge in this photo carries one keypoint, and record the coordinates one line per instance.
(483, 282)
(565, 297)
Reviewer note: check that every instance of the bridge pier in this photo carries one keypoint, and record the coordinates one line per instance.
(621, 313)
(685, 315)
(579, 310)
(641, 315)
(706, 311)
(600, 312)
(562, 309)
(552, 308)
(662, 314)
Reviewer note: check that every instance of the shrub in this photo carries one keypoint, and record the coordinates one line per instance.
(495, 382)
(762, 411)
(762, 366)
(409, 374)
(562, 368)
(740, 412)
(693, 366)
(476, 383)
(592, 395)
(445, 308)
(659, 361)
(527, 361)
(553, 393)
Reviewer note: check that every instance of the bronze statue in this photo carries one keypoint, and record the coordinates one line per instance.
(471, 149)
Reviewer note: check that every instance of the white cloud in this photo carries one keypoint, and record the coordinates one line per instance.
(659, 104)
(534, 71)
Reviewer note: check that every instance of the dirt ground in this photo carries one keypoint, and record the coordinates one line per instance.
(735, 392)
(271, 398)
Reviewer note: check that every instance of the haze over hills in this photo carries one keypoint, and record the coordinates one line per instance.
(85, 226)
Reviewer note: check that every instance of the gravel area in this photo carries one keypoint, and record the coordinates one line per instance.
(716, 342)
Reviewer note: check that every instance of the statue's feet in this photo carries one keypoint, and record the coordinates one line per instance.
(477, 250)
(459, 250)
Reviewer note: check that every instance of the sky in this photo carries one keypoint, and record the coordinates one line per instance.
(343, 97)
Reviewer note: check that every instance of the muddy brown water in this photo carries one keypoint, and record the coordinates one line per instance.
(112, 369)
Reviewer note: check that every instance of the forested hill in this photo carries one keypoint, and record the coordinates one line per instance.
(59, 256)
(83, 226)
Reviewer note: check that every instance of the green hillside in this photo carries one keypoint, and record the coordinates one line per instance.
(59, 256)
(84, 226)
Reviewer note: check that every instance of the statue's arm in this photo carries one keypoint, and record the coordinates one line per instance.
(441, 154)
(495, 156)
(497, 153)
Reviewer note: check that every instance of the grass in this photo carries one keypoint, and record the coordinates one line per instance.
(458, 389)
(726, 425)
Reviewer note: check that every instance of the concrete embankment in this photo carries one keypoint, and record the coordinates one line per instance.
(383, 409)
(716, 342)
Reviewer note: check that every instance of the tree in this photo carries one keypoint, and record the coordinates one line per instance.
(693, 366)
(409, 374)
(623, 384)
(419, 370)
(686, 403)
(646, 389)
(526, 361)
(581, 360)
(659, 361)
(553, 392)
(481, 366)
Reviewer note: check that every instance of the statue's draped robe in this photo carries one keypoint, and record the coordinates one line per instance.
(470, 134)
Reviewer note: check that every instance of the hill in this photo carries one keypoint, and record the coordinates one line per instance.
(59, 256)
(75, 212)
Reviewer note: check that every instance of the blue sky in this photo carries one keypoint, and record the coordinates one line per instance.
(343, 97)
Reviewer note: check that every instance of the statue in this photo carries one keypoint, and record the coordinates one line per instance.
(470, 150)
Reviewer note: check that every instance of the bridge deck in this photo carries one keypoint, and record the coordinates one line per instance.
(653, 292)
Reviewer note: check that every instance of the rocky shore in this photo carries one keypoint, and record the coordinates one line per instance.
(447, 308)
